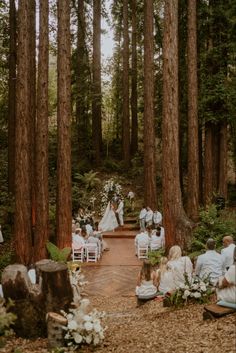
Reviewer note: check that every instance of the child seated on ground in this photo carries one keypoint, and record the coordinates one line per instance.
(164, 277)
(146, 279)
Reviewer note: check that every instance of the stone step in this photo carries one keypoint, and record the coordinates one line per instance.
(120, 234)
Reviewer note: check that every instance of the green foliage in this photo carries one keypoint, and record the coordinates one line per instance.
(6, 318)
(213, 225)
(89, 180)
(56, 254)
(6, 259)
(155, 256)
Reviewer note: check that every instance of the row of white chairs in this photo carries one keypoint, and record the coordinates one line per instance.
(90, 252)
(144, 247)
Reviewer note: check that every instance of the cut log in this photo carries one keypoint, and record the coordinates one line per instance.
(55, 322)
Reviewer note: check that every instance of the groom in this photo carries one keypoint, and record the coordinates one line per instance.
(120, 212)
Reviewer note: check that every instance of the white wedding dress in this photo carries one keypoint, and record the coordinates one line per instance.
(108, 221)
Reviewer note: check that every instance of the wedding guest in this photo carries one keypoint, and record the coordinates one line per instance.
(143, 238)
(210, 264)
(226, 290)
(148, 217)
(164, 277)
(146, 280)
(77, 239)
(89, 229)
(179, 265)
(142, 217)
(157, 218)
(157, 239)
(228, 251)
(131, 197)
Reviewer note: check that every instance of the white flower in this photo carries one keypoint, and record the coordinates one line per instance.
(70, 317)
(77, 337)
(182, 286)
(197, 295)
(186, 287)
(186, 294)
(96, 340)
(88, 339)
(87, 318)
(72, 325)
(195, 286)
(97, 327)
(88, 326)
(203, 287)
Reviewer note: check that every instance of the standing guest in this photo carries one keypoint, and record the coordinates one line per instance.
(227, 284)
(142, 217)
(228, 251)
(120, 212)
(131, 196)
(146, 280)
(210, 264)
(179, 265)
(149, 216)
(157, 218)
(89, 229)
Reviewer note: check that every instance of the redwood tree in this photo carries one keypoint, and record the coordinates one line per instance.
(41, 156)
(149, 131)
(177, 226)
(22, 221)
(64, 207)
(134, 107)
(96, 85)
(126, 122)
(193, 139)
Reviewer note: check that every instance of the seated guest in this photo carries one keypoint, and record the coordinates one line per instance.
(77, 239)
(93, 240)
(227, 284)
(157, 239)
(157, 218)
(164, 277)
(148, 217)
(146, 280)
(179, 265)
(228, 251)
(143, 238)
(210, 264)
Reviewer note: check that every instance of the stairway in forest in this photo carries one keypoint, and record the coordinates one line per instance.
(129, 230)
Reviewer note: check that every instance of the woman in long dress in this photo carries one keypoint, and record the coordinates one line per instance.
(108, 221)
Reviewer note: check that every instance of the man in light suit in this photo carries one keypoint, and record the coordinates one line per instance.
(120, 212)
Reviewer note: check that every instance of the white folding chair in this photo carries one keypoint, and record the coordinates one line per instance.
(77, 252)
(91, 252)
(142, 250)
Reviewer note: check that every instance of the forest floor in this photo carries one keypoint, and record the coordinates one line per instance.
(149, 328)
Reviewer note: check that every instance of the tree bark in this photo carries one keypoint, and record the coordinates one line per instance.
(134, 107)
(223, 149)
(208, 164)
(41, 157)
(177, 225)
(64, 207)
(12, 97)
(55, 330)
(150, 197)
(23, 217)
(97, 93)
(126, 122)
(193, 139)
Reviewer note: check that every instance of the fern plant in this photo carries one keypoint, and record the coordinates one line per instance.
(56, 254)
(89, 180)
(7, 318)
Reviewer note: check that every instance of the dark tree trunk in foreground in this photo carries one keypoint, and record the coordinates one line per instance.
(193, 139)
(223, 149)
(22, 221)
(134, 102)
(12, 97)
(177, 225)
(149, 131)
(208, 164)
(97, 98)
(41, 157)
(126, 122)
(64, 207)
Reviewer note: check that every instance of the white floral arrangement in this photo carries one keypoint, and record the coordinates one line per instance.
(110, 188)
(83, 326)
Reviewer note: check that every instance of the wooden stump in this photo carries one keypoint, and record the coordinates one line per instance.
(55, 330)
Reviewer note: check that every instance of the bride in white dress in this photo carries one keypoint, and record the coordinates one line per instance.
(108, 221)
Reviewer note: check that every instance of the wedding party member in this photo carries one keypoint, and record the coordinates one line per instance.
(142, 217)
(108, 221)
(228, 251)
(210, 264)
(120, 212)
(157, 218)
(131, 197)
(164, 277)
(226, 290)
(179, 265)
(146, 280)
(148, 217)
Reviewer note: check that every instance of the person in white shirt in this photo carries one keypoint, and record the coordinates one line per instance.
(157, 239)
(142, 216)
(228, 251)
(210, 264)
(77, 239)
(143, 238)
(131, 196)
(164, 277)
(157, 218)
(149, 216)
(180, 266)
(89, 229)
(120, 212)
(227, 285)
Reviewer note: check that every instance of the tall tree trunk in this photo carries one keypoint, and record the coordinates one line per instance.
(208, 164)
(223, 189)
(126, 122)
(177, 225)
(32, 97)
(193, 139)
(41, 156)
(64, 207)
(22, 221)
(97, 94)
(134, 107)
(149, 131)
(12, 97)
